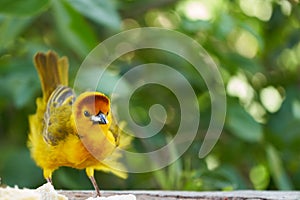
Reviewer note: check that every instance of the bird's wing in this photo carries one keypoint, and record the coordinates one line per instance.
(57, 115)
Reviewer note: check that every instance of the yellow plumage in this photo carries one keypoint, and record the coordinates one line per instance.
(71, 131)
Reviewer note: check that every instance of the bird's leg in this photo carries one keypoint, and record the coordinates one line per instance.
(48, 175)
(90, 173)
(95, 185)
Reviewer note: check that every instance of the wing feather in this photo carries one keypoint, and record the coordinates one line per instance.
(57, 115)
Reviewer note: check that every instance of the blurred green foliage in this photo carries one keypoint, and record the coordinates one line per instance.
(256, 44)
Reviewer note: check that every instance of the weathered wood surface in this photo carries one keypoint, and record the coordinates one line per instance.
(184, 195)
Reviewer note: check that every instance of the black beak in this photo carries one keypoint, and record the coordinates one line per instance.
(100, 118)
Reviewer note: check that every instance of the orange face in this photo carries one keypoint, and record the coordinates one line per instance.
(93, 107)
(92, 118)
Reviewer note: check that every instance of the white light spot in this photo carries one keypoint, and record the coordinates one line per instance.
(211, 162)
(196, 10)
(286, 7)
(246, 44)
(296, 109)
(257, 111)
(271, 99)
(239, 87)
(262, 9)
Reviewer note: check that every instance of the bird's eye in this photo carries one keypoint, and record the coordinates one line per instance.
(87, 114)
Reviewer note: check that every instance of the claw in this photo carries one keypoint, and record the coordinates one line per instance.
(49, 180)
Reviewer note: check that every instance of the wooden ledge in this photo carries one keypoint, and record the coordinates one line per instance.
(185, 195)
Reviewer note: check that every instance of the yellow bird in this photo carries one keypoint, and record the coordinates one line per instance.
(69, 130)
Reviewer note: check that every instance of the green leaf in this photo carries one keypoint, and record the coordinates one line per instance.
(175, 169)
(224, 25)
(277, 171)
(260, 177)
(20, 78)
(195, 26)
(225, 177)
(23, 8)
(170, 177)
(73, 28)
(17, 168)
(10, 28)
(254, 33)
(100, 11)
(237, 62)
(242, 124)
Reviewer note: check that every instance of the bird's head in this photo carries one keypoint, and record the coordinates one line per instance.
(92, 117)
(92, 111)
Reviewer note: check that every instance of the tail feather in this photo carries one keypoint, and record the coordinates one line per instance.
(52, 70)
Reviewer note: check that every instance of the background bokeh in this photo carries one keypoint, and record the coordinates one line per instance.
(255, 43)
